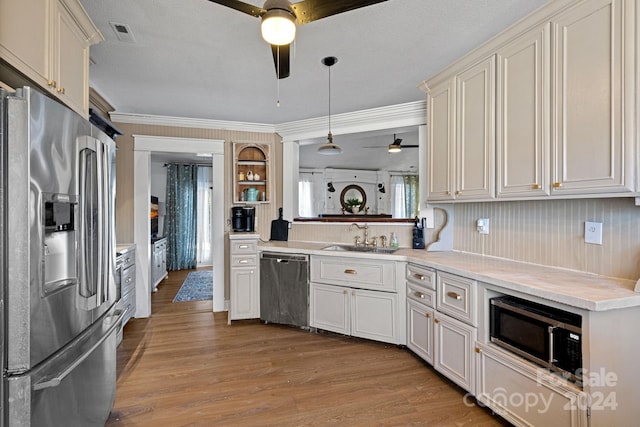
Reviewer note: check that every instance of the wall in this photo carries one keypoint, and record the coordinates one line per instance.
(551, 232)
(265, 213)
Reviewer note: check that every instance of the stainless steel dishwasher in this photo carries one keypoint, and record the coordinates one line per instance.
(284, 289)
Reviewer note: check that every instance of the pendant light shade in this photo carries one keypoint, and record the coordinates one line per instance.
(394, 147)
(329, 148)
(278, 27)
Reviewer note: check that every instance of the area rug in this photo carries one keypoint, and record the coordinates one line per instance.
(196, 287)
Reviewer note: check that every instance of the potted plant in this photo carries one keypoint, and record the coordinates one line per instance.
(353, 205)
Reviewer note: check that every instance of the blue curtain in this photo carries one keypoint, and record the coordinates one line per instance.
(182, 216)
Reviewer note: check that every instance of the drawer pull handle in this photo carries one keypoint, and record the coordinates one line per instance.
(427, 315)
(350, 271)
(243, 261)
(419, 294)
(419, 276)
(454, 295)
(243, 246)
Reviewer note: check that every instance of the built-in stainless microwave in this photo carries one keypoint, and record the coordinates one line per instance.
(545, 335)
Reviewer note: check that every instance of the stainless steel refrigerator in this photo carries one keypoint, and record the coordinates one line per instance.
(58, 319)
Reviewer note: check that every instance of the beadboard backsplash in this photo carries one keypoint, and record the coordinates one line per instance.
(551, 232)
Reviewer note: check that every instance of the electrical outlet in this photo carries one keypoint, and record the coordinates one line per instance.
(593, 232)
(483, 225)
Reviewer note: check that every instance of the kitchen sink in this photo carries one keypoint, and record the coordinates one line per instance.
(367, 249)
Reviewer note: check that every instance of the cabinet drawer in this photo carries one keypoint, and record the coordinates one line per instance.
(128, 259)
(370, 274)
(421, 294)
(128, 279)
(244, 260)
(456, 296)
(423, 276)
(243, 246)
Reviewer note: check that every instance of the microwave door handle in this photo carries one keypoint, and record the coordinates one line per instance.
(552, 359)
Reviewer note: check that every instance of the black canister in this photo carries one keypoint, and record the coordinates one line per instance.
(250, 219)
(238, 219)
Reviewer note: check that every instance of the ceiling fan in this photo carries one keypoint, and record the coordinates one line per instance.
(395, 146)
(279, 18)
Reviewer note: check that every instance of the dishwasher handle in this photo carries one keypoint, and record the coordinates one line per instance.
(283, 258)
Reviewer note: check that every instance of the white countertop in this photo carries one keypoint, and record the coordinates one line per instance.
(574, 288)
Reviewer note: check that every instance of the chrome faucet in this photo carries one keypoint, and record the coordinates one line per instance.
(366, 241)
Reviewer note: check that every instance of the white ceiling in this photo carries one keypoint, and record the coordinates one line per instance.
(198, 59)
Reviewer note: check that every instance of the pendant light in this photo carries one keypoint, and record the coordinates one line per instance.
(329, 148)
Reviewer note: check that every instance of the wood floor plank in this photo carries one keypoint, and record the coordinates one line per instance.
(185, 366)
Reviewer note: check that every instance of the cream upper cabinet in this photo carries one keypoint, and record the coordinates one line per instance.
(593, 102)
(522, 119)
(440, 147)
(48, 41)
(461, 145)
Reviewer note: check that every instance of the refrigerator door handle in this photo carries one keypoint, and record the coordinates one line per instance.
(89, 165)
(106, 205)
(58, 378)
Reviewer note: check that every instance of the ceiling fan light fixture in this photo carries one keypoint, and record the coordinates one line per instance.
(329, 148)
(278, 27)
(393, 148)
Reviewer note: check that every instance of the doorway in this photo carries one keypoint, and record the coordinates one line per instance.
(144, 146)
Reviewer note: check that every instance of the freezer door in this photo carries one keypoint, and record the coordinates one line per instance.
(76, 387)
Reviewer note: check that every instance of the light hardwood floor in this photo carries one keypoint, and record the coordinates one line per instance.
(185, 366)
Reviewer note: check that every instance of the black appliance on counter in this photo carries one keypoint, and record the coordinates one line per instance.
(243, 218)
(418, 233)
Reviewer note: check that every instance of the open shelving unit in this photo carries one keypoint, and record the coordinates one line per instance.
(249, 160)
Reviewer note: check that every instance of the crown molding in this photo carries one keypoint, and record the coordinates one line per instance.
(148, 119)
(392, 116)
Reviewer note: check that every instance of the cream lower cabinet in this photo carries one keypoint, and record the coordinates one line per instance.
(244, 277)
(357, 297)
(524, 395)
(421, 297)
(357, 312)
(454, 350)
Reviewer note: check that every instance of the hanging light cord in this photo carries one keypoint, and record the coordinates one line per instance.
(278, 77)
(329, 99)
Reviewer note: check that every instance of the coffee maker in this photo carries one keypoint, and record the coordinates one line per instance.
(243, 218)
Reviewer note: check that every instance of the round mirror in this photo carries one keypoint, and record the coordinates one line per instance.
(353, 198)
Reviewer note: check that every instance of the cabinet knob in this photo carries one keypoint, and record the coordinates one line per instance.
(458, 193)
(557, 184)
(419, 276)
(427, 315)
(60, 90)
(478, 350)
(447, 193)
(436, 321)
(454, 295)
(52, 83)
(345, 292)
(536, 186)
(419, 294)
(350, 271)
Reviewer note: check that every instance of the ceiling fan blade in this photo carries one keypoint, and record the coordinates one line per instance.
(241, 6)
(281, 60)
(311, 10)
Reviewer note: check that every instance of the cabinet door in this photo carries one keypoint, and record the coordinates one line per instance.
(523, 395)
(475, 134)
(70, 61)
(330, 308)
(440, 146)
(589, 82)
(244, 296)
(522, 137)
(454, 347)
(420, 330)
(374, 315)
(24, 36)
